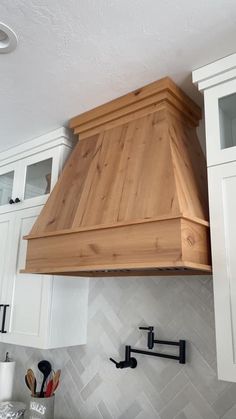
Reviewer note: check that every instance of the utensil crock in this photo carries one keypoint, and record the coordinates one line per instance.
(41, 407)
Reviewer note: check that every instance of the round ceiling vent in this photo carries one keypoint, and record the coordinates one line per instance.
(8, 39)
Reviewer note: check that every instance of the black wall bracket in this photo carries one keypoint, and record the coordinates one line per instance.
(131, 362)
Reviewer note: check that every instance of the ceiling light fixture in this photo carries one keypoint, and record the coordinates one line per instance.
(8, 39)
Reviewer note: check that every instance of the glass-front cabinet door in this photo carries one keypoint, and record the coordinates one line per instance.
(29, 181)
(220, 115)
(227, 121)
(8, 185)
(39, 173)
(38, 179)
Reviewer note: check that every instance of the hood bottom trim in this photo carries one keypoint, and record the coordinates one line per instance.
(163, 246)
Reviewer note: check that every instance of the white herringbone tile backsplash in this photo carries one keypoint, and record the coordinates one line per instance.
(92, 388)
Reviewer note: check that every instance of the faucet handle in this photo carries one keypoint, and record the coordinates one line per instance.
(114, 362)
(150, 342)
(150, 328)
(129, 362)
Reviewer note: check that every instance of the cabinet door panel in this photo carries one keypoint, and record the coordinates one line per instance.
(38, 179)
(222, 192)
(220, 118)
(6, 187)
(9, 183)
(28, 295)
(7, 256)
(39, 174)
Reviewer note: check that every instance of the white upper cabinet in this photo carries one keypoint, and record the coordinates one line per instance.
(41, 311)
(218, 81)
(28, 174)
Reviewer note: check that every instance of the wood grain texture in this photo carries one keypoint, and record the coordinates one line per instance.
(150, 168)
(164, 90)
(189, 169)
(150, 245)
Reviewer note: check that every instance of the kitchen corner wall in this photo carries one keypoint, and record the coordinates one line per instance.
(92, 388)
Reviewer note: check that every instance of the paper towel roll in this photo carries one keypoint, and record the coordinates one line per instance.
(7, 370)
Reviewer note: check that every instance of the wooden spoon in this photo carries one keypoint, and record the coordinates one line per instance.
(31, 380)
(56, 378)
(26, 382)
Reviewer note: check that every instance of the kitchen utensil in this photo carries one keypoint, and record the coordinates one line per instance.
(53, 384)
(45, 368)
(31, 381)
(49, 388)
(56, 378)
(26, 382)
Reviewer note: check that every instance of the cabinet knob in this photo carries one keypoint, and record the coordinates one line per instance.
(17, 200)
(11, 201)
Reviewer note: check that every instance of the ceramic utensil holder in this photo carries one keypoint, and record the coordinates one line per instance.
(41, 408)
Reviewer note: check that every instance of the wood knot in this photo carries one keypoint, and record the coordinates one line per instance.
(191, 240)
(98, 168)
(51, 221)
(94, 248)
(85, 154)
(115, 255)
(137, 92)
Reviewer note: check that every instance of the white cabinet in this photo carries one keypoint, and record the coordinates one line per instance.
(44, 311)
(7, 253)
(36, 310)
(218, 81)
(222, 195)
(27, 175)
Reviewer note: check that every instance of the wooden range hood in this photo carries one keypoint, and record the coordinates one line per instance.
(132, 198)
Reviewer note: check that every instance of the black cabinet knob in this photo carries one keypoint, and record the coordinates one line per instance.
(17, 200)
(11, 201)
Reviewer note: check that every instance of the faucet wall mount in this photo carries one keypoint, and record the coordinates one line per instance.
(131, 362)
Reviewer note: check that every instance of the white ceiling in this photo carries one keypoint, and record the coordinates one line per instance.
(76, 54)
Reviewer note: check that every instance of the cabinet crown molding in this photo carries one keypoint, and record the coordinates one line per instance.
(215, 73)
(60, 136)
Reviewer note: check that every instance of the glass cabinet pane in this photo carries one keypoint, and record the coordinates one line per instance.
(38, 179)
(227, 110)
(6, 185)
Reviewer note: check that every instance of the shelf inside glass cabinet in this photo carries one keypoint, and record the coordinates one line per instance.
(38, 179)
(227, 115)
(6, 186)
